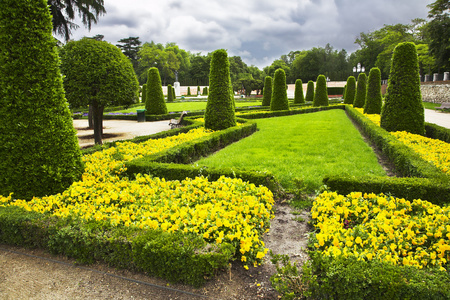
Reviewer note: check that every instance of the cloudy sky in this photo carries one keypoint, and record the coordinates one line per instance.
(259, 31)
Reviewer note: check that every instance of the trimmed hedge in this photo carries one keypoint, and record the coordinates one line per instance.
(321, 95)
(280, 113)
(155, 104)
(279, 99)
(173, 256)
(169, 93)
(298, 96)
(350, 90)
(267, 91)
(335, 90)
(374, 99)
(309, 97)
(361, 90)
(437, 132)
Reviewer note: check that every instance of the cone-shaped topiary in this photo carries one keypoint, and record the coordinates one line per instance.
(189, 91)
(360, 98)
(198, 90)
(267, 91)
(298, 96)
(321, 94)
(219, 112)
(310, 91)
(205, 91)
(174, 94)
(350, 90)
(345, 90)
(154, 103)
(403, 108)
(373, 96)
(144, 93)
(39, 149)
(279, 95)
(169, 93)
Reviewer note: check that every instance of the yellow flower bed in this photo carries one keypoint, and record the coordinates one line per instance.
(381, 227)
(226, 210)
(432, 150)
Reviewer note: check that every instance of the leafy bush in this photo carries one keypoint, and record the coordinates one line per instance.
(350, 90)
(310, 91)
(360, 98)
(144, 93)
(403, 108)
(155, 104)
(189, 91)
(279, 99)
(321, 95)
(39, 149)
(220, 107)
(267, 91)
(373, 98)
(437, 132)
(298, 96)
(335, 90)
(169, 93)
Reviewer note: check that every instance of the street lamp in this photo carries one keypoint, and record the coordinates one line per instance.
(358, 69)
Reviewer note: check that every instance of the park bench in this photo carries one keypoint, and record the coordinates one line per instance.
(444, 106)
(177, 123)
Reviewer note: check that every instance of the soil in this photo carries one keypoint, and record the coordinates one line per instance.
(35, 274)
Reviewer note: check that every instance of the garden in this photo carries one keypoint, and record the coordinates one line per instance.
(184, 204)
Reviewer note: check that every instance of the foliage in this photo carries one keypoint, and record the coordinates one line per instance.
(130, 47)
(205, 91)
(144, 93)
(267, 91)
(38, 145)
(279, 99)
(154, 104)
(374, 99)
(321, 94)
(350, 90)
(438, 30)
(298, 96)
(97, 73)
(361, 90)
(220, 108)
(63, 12)
(403, 109)
(169, 93)
(310, 91)
(189, 91)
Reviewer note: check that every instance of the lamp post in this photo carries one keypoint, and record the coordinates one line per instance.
(359, 69)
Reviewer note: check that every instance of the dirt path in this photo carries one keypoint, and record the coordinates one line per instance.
(35, 274)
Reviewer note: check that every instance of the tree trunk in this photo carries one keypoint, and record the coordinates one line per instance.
(97, 111)
(90, 117)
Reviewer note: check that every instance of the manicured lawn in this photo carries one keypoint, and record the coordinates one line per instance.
(306, 147)
(430, 105)
(188, 106)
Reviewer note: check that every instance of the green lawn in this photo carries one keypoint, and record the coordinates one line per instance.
(306, 147)
(430, 105)
(189, 106)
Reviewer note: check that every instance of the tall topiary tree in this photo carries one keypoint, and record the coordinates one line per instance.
(189, 91)
(403, 108)
(279, 95)
(267, 91)
(350, 91)
(361, 90)
(174, 95)
(169, 93)
(97, 73)
(39, 149)
(154, 103)
(144, 93)
(220, 110)
(373, 96)
(321, 94)
(298, 94)
(310, 91)
(198, 90)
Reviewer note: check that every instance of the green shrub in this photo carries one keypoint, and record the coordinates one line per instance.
(335, 90)
(403, 108)
(189, 91)
(205, 91)
(144, 93)
(374, 99)
(267, 91)
(155, 104)
(310, 91)
(198, 90)
(345, 90)
(219, 113)
(437, 132)
(174, 96)
(350, 90)
(279, 99)
(360, 98)
(169, 93)
(298, 96)
(39, 149)
(321, 95)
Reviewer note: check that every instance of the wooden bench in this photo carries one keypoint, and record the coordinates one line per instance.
(177, 123)
(444, 106)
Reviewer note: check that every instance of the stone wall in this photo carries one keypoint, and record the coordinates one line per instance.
(436, 93)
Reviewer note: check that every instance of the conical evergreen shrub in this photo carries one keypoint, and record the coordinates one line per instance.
(321, 94)
(174, 95)
(39, 150)
(220, 113)
(373, 96)
(198, 90)
(350, 91)
(155, 104)
(189, 91)
(298, 94)
(279, 95)
(360, 98)
(403, 108)
(267, 91)
(144, 93)
(310, 91)
(169, 93)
